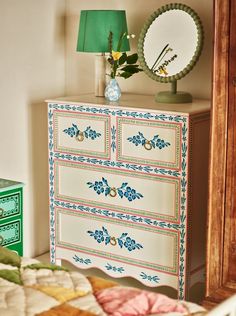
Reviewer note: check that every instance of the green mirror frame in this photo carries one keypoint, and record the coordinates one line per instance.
(171, 96)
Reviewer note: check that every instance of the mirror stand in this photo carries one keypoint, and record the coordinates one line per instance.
(169, 46)
(173, 96)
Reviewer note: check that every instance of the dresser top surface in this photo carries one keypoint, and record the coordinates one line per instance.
(138, 101)
(9, 184)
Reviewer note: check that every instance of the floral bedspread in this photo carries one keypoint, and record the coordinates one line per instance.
(28, 287)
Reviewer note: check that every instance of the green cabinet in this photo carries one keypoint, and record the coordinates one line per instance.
(11, 215)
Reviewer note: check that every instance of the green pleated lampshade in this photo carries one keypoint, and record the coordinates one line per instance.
(94, 29)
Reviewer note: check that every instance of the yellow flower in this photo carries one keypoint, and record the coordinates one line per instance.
(163, 71)
(116, 55)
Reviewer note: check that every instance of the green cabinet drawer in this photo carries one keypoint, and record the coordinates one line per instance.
(10, 233)
(11, 215)
(10, 205)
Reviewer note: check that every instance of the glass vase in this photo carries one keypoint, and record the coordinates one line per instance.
(112, 91)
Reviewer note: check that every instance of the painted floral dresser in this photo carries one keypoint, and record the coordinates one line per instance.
(11, 215)
(128, 188)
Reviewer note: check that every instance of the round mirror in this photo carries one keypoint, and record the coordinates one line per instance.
(169, 45)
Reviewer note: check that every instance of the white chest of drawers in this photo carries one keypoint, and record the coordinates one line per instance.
(128, 188)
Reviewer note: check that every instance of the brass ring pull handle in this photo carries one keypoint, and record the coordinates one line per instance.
(147, 145)
(1, 240)
(1, 212)
(113, 241)
(80, 136)
(124, 190)
(113, 192)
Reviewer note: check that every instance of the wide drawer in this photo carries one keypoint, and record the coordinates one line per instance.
(108, 188)
(10, 205)
(149, 142)
(82, 134)
(10, 233)
(146, 247)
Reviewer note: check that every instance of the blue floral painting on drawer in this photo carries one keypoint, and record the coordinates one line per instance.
(82, 260)
(155, 142)
(123, 241)
(74, 131)
(114, 268)
(150, 278)
(102, 187)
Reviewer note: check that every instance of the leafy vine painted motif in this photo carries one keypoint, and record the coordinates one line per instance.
(120, 165)
(74, 131)
(119, 112)
(102, 187)
(114, 268)
(150, 278)
(155, 142)
(123, 241)
(82, 260)
(113, 137)
(124, 216)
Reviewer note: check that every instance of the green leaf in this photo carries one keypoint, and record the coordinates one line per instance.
(132, 69)
(126, 75)
(123, 59)
(132, 59)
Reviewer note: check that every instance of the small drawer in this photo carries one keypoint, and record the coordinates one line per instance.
(149, 142)
(10, 233)
(146, 247)
(82, 134)
(10, 205)
(108, 188)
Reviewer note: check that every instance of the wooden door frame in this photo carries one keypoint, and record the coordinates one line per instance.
(222, 154)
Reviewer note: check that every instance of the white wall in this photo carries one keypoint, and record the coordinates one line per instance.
(32, 68)
(80, 66)
(38, 61)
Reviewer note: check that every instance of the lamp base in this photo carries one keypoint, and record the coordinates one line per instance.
(170, 97)
(100, 75)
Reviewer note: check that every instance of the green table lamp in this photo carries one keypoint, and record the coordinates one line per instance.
(94, 29)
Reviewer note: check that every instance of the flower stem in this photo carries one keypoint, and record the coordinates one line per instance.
(159, 56)
(110, 37)
(122, 35)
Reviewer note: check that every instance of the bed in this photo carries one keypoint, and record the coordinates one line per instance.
(29, 287)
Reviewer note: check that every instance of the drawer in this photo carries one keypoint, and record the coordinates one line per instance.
(146, 247)
(10, 205)
(136, 193)
(10, 233)
(82, 134)
(149, 142)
